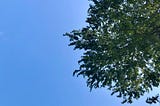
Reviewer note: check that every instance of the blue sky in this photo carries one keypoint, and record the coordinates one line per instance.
(36, 64)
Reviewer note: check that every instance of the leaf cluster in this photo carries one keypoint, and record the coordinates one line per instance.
(121, 47)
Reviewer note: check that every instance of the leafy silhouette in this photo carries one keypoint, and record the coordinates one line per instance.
(121, 47)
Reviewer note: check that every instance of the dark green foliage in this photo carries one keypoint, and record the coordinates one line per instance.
(153, 99)
(121, 47)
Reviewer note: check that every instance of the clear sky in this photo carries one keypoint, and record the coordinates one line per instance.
(36, 64)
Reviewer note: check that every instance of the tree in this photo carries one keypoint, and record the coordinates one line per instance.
(121, 47)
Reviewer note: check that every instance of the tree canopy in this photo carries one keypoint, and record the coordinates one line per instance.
(121, 46)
